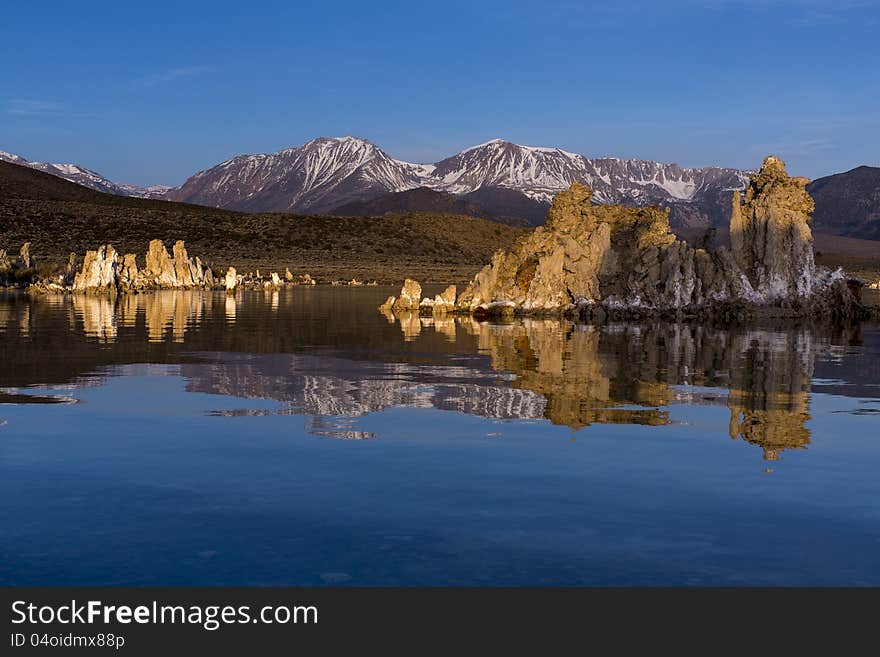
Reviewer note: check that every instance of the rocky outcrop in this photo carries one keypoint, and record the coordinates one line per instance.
(5, 268)
(99, 272)
(231, 280)
(17, 271)
(770, 234)
(595, 260)
(160, 268)
(70, 270)
(163, 271)
(128, 271)
(104, 271)
(441, 303)
(387, 305)
(410, 296)
(24, 256)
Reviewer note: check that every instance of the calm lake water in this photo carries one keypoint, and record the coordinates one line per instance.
(303, 438)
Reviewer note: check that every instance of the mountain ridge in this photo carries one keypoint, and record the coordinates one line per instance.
(81, 175)
(317, 177)
(848, 203)
(497, 179)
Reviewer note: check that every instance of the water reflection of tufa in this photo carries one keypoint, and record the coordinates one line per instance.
(15, 318)
(162, 312)
(769, 395)
(628, 373)
(571, 374)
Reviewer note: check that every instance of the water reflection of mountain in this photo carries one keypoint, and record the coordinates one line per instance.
(327, 354)
(574, 375)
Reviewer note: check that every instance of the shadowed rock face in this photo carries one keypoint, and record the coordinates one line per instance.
(591, 258)
(19, 268)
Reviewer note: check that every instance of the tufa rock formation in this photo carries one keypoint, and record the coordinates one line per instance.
(410, 296)
(770, 234)
(5, 268)
(18, 271)
(596, 260)
(441, 303)
(231, 280)
(24, 256)
(99, 271)
(102, 270)
(70, 270)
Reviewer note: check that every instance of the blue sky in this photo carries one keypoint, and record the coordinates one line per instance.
(152, 92)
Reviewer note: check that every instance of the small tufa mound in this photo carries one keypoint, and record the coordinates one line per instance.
(18, 271)
(410, 296)
(441, 303)
(24, 256)
(231, 280)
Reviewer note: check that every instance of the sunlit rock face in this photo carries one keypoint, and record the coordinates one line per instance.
(103, 271)
(231, 280)
(590, 254)
(770, 234)
(441, 303)
(410, 296)
(99, 271)
(597, 259)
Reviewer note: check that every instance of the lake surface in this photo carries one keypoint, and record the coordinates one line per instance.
(302, 438)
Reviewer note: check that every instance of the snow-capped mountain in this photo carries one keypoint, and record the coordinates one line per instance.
(506, 181)
(537, 172)
(329, 173)
(87, 178)
(540, 173)
(315, 177)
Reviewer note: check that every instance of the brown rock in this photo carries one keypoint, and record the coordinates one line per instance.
(70, 270)
(24, 256)
(410, 296)
(128, 272)
(770, 234)
(627, 259)
(160, 269)
(98, 272)
(231, 280)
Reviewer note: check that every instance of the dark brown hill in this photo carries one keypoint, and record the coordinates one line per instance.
(848, 203)
(506, 206)
(59, 217)
(420, 199)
